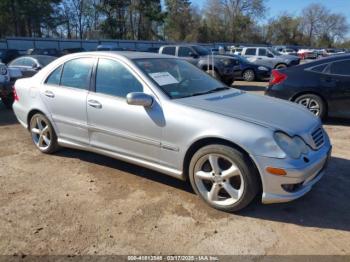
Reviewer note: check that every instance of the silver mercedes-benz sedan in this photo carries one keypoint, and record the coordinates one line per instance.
(165, 114)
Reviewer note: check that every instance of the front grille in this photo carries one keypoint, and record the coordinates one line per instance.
(318, 137)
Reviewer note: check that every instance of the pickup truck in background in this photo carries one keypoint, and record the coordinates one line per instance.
(269, 57)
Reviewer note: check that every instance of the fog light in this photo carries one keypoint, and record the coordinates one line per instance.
(276, 171)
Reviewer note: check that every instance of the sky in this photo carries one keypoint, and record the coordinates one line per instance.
(277, 7)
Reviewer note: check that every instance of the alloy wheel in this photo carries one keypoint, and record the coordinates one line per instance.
(218, 179)
(311, 104)
(41, 132)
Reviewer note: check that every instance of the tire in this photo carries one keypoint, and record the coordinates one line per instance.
(43, 134)
(8, 101)
(214, 74)
(280, 66)
(314, 103)
(249, 75)
(213, 186)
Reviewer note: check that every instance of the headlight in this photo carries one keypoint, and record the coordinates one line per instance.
(3, 70)
(263, 68)
(226, 62)
(293, 147)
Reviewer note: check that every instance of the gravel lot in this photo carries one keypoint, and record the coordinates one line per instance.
(81, 203)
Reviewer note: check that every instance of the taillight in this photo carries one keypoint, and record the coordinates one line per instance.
(277, 77)
(15, 96)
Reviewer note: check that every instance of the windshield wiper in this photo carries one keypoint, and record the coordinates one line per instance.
(210, 91)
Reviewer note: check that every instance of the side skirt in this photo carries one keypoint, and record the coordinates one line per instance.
(154, 166)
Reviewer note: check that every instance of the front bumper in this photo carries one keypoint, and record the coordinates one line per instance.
(301, 175)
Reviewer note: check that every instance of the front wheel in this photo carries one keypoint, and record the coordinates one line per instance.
(43, 134)
(223, 177)
(314, 103)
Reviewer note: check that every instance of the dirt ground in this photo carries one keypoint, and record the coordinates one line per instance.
(81, 203)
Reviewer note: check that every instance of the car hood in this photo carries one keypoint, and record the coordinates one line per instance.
(262, 110)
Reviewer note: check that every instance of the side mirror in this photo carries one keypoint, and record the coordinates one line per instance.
(270, 55)
(139, 99)
(36, 66)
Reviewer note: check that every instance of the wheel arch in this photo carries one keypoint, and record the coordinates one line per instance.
(278, 64)
(34, 111)
(214, 140)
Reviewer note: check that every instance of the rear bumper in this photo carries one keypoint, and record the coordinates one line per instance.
(300, 178)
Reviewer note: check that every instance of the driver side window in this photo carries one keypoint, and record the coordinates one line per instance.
(112, 78)
(262, 52)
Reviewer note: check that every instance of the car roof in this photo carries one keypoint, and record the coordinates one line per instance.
(129, 54)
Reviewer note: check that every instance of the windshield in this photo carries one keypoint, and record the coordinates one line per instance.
(274, 52)
(178, 78)
(202, 51)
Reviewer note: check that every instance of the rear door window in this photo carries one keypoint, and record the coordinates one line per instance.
(340, 68)
(55, 77)
(169, 50)
(250, 51)
(319, 68)
(76, 73)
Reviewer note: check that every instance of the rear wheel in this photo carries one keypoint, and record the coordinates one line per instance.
(314, 103)
(223, 177)
(249, 75)
(43, 134)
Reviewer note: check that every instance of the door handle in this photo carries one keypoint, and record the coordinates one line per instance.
(49, 93)
(95, 104)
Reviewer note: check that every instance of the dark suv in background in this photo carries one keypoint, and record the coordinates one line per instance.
(219, 66)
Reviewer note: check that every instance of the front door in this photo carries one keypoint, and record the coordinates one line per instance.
(116, 126)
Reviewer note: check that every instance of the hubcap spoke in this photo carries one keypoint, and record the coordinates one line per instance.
(41, 140)
(204, 175)
(213, 194)
(38, 122)
(46, 140)
(234, 193)
(36, 131)
(214, 163)
(232, 171)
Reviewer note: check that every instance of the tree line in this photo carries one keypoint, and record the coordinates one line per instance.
(236, 21)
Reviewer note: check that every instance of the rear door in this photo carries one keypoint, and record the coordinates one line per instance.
(338, 80)
(64, 93)
(263, 58)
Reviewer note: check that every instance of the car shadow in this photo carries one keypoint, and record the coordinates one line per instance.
(125, 167)
(326, 206)
(7, 116)
(337, 122)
